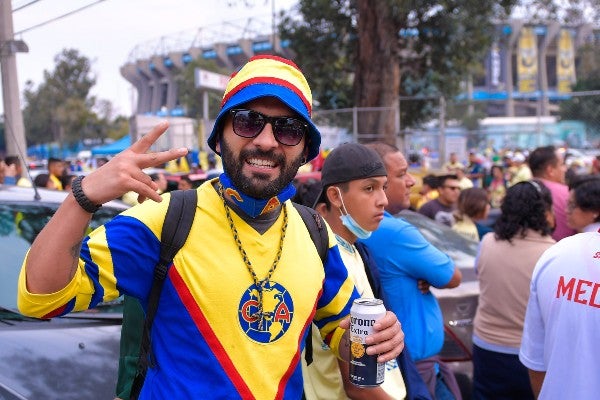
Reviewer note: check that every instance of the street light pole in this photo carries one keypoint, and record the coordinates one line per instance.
(14, 130)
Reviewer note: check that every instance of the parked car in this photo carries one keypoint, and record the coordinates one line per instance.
(458, 304)
(70, 357)
(174, 178)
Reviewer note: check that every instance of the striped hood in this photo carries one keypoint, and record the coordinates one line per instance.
(269, 76)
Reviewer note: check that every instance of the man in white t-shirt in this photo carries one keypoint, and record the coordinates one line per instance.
(562, 322)
(352, 202)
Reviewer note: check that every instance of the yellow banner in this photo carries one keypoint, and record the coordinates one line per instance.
(527, 63)
(565, 62)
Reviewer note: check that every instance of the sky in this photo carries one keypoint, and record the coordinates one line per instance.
(108, 31)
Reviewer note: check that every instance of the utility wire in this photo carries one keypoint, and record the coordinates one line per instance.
(26, 5)
(59, 17)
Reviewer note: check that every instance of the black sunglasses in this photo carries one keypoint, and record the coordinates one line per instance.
(288, 131)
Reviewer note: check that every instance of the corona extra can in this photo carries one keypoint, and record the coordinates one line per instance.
(365, 371)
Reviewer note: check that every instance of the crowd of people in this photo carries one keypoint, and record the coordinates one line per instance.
(248, 287)
(58, 174)
(542, 205)
(538, 204)
(442, 196)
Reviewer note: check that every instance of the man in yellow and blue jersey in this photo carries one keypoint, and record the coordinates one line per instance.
(240, 294)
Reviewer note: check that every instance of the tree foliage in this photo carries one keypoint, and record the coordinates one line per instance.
(367, 53)
(325, 41)
(570, 12)
(61, 108)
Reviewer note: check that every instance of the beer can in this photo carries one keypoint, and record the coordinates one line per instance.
(365, 371)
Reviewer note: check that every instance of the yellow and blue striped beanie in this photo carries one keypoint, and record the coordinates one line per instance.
(269, 76)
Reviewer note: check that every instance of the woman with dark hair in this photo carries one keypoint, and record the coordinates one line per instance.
(504, 266)
(583, 206)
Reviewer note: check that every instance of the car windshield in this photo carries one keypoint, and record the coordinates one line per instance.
(20, 223)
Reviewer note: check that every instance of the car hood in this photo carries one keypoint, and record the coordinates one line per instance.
(62, 358)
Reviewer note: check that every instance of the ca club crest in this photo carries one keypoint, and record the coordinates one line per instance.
(278, 311)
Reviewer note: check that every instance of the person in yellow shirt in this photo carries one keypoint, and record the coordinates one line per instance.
(463, 180)
(473, 206)
(239, 296)
(428, 191)
(520, 171)
(56, 169)
(452, 164)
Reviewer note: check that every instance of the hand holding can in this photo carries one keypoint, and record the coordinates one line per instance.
(365, 371)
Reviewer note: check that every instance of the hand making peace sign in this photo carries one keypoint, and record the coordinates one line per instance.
(124, 172)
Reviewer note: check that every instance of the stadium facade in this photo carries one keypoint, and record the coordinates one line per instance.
(529, 66)
(152, 67)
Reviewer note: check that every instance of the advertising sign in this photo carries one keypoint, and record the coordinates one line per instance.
(527, 61)
(204, 79)
(565, 63)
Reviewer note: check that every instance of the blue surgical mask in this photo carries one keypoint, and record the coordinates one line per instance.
(350, 223)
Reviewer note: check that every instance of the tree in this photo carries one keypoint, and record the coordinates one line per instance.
(389, 48)
(60, 109)
(105, 124)
(324, 40)
(377, 76)
(572, 11)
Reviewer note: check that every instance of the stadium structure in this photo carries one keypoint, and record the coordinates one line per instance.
(153, 66)
(528, 65)
(531, 67)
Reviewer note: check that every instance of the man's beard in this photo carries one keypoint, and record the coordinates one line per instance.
(258, 186)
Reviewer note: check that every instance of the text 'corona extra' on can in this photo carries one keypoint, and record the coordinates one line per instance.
(365, 371)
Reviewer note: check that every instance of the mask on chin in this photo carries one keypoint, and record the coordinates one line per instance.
(354, 227)
(350, 223)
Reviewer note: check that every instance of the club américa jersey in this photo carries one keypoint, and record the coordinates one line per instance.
(205, 339)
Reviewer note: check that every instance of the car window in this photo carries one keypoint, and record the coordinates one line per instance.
(20, 223)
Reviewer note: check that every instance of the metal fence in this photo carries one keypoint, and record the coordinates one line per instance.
(460, 125)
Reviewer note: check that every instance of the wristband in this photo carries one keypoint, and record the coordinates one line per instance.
(81, 198)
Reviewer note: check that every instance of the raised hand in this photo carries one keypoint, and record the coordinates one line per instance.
(124, 172)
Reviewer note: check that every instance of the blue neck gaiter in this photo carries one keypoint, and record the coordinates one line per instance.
(253, 206)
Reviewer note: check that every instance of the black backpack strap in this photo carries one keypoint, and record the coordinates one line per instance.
(371, 269)
(317, 229)
(175, 230)
(318, 233)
